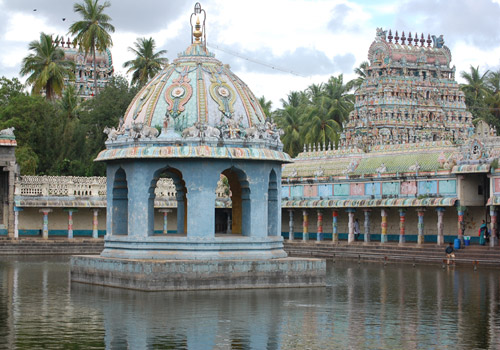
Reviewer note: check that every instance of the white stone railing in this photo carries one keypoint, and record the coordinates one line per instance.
(75, 186)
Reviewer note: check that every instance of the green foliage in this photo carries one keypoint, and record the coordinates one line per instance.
(92, 31)
(315, 115)
(46, 67)
(147, 63)
(62, 137)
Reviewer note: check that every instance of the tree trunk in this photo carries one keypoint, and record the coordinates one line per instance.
(95, 73)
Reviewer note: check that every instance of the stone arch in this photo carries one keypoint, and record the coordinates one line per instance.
(240, 200)
(180, 196)
(120, 203)
(272, 205)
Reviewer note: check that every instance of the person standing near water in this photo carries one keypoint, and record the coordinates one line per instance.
(449, 253)
(482, 233)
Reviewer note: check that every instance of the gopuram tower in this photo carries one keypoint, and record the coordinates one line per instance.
(409, 95)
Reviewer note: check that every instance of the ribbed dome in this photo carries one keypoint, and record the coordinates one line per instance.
(195, 88)
(202, 109)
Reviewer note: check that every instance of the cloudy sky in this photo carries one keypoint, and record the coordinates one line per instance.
(306, 41)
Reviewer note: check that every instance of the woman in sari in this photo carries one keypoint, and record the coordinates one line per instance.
(482, 233)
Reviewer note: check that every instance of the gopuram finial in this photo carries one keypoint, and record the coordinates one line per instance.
(198, 33)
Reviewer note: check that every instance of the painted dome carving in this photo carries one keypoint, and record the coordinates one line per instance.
(196, 101)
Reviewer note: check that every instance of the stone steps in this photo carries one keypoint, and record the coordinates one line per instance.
(375, 251)
(27, 246)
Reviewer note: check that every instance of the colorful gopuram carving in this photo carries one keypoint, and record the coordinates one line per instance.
(409, 95)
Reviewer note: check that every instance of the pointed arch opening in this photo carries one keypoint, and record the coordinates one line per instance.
(272, 205)
(120, 204)
(236, 219)
(168, 190)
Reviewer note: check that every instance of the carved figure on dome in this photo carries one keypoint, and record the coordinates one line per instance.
(7, 132)
(415, 167)
(191, 131)
(438, 42)
(293, 173)
(319, 172)
(381, 169)
(380, 34)
(112, 133)
(352, 166)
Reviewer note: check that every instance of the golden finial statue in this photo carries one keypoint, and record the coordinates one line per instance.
(198, 33)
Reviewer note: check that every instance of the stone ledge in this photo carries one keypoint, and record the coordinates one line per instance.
(170, 275)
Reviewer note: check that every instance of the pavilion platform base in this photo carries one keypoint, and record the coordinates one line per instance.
(171, 275)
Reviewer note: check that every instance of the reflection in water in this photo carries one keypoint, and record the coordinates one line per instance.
(365, 306)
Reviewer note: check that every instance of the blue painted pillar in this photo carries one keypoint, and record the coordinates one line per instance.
(201, 184)
(45, 223)
(335, 229)
(402, 225)
(180, 211)
(494, 228)
(70, 221)
(420, 213)
(141, 201)
(259, 211)
(319, 226)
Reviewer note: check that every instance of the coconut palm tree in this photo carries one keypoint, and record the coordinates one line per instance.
(340, 101)
(46, 67)
(92, 32)
(266, 106)
(289, 118)
(362, 73)
(147, 63)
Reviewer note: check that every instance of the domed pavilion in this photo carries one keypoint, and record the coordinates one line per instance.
(193, 122)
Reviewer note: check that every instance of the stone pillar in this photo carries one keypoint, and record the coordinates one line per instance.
(383, 226)
(16, 221)
(402, 226)
(420, 213)
(461, 223)
(319, 225)
(95, 223)
(493, 226)
(290, 225)
(45, 227)
(181, 212)
(229, 229)
(367, 225)
(165, 219)
(350, 236)
(70, 221)
(305, 225)
(440, 237)
(335, 232)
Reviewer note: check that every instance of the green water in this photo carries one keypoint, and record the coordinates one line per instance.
(366, 306)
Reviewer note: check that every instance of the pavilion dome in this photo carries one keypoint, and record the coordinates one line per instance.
(195, 107)
(196, 87)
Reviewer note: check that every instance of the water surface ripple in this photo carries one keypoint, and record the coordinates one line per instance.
(364, 306)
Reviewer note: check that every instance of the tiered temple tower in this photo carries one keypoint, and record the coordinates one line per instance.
(84, 68)
(409, 95)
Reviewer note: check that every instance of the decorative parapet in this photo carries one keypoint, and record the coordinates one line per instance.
(84, 187)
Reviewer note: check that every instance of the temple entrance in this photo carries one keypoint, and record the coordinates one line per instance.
(234, 220)
(168, 185)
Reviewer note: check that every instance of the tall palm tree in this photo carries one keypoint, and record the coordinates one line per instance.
(266, 106)
(92, 32)
(46, 67)
(147, 63)
(340, 101)
(289, 118)
(493, 81)
(362, 73)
